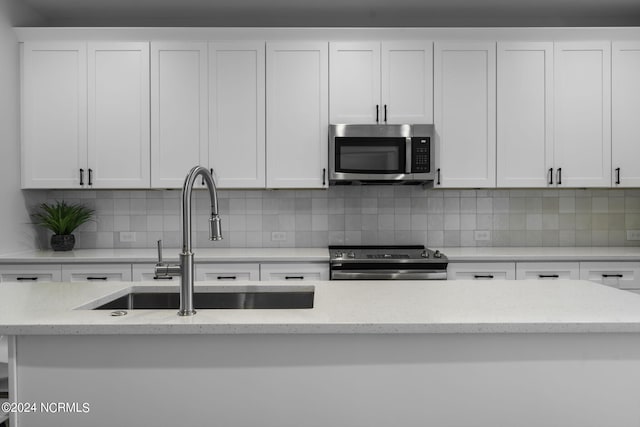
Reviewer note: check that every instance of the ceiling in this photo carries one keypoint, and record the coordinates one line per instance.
(336, 13)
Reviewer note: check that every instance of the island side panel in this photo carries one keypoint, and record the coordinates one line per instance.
(369, 380)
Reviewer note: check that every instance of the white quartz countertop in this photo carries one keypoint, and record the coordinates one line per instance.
(484, 254)
(560, 306)
(169, 254)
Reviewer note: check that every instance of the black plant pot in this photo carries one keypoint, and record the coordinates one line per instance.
(63, 242)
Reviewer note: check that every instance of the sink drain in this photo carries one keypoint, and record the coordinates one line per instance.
(119, 313)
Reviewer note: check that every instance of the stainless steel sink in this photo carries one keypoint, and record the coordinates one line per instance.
(213, 300)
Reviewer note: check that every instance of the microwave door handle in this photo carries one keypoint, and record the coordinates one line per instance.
(407, 163)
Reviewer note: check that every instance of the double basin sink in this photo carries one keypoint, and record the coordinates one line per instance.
(298, 298)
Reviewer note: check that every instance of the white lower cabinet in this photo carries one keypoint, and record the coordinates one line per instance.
(622, 275)
(294, 271)
(227, 272)
(146, 273)
(31, 273)
(96, 273)
(481, 271)
(547, 270)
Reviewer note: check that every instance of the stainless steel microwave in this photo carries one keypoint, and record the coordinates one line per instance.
(381, 154)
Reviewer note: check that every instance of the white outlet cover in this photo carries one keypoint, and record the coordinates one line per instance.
(633, 234)
(482, 235)
(127, 236)
(278, 236)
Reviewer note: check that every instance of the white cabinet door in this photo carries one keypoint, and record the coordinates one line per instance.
(294, 271)
(582, 110)
(227, 272)
(30, 273)
(524, 115)
(547, 270)
(407, 82)
(118, 115)
(179, 117)
(481, 271)
(625, 98)
(297, 116)
(464, 113)
(96, 272)
(54, 114)
(237, 115)
(146, 273)
(622, 275)
(355, 82)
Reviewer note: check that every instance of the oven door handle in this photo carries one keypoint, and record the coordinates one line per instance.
(388, 275)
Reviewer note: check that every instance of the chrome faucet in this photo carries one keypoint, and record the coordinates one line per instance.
(185, 269)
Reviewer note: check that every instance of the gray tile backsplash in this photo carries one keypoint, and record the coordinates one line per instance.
(365, 215)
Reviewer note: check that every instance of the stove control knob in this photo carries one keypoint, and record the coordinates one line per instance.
(424, 254)
(351, 255)
(338, 255)
(437, 254)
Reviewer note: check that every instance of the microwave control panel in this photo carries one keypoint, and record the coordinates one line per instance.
(420, 154)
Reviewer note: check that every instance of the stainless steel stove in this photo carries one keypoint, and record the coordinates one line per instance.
(387, 263)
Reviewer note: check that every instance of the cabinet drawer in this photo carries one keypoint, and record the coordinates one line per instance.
(146, 273)
(96, 273)
(622, 275)
(30, 273)
(547, 270)
(481, 271)
(292, 272)
(227, 272)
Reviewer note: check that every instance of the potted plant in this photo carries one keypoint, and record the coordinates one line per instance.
(62, 218)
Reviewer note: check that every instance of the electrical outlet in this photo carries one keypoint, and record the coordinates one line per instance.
(278, 236)
(482, 235)
(127, 236)
(633, 234)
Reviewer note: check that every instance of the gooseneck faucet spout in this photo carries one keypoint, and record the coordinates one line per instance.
(186, 267)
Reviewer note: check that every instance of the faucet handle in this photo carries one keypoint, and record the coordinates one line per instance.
(159, 251)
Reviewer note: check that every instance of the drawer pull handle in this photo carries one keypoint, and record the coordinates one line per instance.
(162, 277)
(96, 278)
(548, 276)
(294, 277)
(620, 276)
(227, 277)
(33, 279)
(483, 276)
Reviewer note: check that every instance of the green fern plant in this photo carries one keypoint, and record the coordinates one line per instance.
(62, 218)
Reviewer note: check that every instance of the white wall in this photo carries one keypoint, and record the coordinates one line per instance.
(15, 231)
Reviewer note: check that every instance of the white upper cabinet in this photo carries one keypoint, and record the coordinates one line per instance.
(118, 115)
(237, 114)
(407, 82)
(582, 114)
(297, 115)
(354, 82)
(465, 114)
(179, 105)
(388, 82)
(524, 114)
(626, 114)
(54, 114)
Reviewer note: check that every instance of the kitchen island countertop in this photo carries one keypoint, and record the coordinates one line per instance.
(521, 306)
